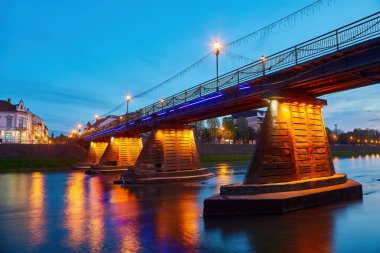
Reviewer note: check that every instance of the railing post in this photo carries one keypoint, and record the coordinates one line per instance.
(296, 54)
(200, 90)
(238, 76)
(173, 100)
(185, 95)
(337, 40)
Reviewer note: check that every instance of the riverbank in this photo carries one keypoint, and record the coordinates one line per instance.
(29, 164)
(47, 164)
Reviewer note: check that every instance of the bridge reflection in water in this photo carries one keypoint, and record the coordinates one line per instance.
(55, 212)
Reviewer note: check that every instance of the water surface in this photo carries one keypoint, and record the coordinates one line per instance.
(73, 212)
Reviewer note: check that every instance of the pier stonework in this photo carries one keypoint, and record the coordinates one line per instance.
(169, 154)
(293, 144)
(95, 152)
(291, 167)
(122, 151)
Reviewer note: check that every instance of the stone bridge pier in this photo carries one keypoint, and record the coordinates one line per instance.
(169, 154)
(121, 152)
(291, 167)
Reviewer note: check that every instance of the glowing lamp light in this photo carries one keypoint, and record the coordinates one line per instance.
(128, 98)
(162, 100)
(79, 126)
(96, 116)
(217, 46)
(263, 59)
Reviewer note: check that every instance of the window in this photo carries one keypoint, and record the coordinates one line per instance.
(8, 137)
(9, 121)
(21, 123)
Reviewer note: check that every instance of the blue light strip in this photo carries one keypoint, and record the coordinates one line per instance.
(146, 118)
(244, 87)
(162, 113)
(105, 132)
(200, 101)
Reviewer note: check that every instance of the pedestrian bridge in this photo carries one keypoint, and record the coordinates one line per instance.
(343, 59)
(291, 161)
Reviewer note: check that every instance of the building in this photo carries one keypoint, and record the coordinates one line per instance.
(19, 125)
(254, 117)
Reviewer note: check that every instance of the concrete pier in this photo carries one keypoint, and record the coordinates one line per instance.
(170, 154)
(291, 167)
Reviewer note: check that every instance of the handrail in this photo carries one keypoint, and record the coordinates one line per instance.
(333, 41)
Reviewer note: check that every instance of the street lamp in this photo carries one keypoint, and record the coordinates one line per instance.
(79, 128)
(127, 98)
(162, 103)
(263, 59)
(96, 116)
(217, 47)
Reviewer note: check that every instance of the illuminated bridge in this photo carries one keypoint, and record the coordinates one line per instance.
(292, 144)
(340, 60)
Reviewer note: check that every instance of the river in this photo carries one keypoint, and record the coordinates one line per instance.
(73, 212)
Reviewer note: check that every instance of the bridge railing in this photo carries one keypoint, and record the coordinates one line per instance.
(351, 34)
(333, 41)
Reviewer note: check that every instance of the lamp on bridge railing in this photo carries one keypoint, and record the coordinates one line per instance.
(263, 59)
(128, 98)
(79, 128)
(96, 116)
(162, 103)
(217, 47)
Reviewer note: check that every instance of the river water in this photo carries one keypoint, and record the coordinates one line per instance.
(73, 212)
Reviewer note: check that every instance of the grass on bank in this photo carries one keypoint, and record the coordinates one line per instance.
(36, 164)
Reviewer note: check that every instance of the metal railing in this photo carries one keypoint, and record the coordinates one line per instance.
(346, 36)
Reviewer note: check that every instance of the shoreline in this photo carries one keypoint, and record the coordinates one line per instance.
(63, 164)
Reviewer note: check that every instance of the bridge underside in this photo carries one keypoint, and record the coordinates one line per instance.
(291, 166)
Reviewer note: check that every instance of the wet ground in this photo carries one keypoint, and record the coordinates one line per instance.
(73, 212)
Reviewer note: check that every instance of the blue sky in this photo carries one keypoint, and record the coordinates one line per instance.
(71, 59)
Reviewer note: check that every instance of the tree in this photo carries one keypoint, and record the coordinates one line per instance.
(251, 134)
(229, 132)
(213, 126)
(205, 136)
(242, 129)
(198, 127)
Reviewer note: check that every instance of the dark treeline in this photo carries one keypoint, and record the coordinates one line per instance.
(358, 136)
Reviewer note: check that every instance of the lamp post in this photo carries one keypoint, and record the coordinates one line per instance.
(96, 116)
(162, 103)
(79, 128)
(263, 67)
(127, 98)
(217, 50)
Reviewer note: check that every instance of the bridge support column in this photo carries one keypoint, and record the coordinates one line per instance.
(93, 155)
(121, 152)
(291, 167)
(169, 154)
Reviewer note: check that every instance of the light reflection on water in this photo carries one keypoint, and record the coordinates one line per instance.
(71, 212)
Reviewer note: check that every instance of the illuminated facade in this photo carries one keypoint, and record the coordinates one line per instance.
(19, 125)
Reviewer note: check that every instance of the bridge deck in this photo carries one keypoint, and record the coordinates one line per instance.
(344, 59)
